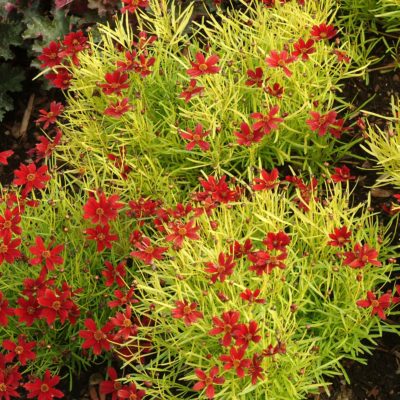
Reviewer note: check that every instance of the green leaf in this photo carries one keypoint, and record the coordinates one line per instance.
(11, 84)
(10, 35)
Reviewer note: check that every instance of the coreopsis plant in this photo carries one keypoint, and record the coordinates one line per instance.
(168, 105)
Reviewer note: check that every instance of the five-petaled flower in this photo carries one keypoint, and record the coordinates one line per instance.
(321, 122)
(323, 31)
(236, 361)
(95, 338)
(208, 381)
(268, 180)
(50, 56)
(276, 241)
(147, 252)
(226, 325)
(280, 59)
(74, 42)
(361, 256)
(342, 174)
(203, 66)
(247, 136)
(131, 392)
(116, 82)
(118, 109)
(339, 237)
(31, 177)
(8, 249)
(50, 117)
(103, 210)
(43, 389)
(101, 234)
(49, 257)
(303, 49)
(114, 274)
(196, 138)
(22, 350)
(255, 77)
(187, 312)
(222, 269)
(266, 122)
(112, 385)
(191, 90)
(378, 304)
(252, 297)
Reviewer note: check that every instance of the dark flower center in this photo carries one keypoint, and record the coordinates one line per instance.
(101, 236)
(19, 350)
(44, 387)
(30, 177)
(374, 303)
(127, 323)
(149, 249)
(46, 254)
(7, 224)
(99, 335)
(99, 211)
(3, 248)
(3, 387)
(56, 305)
(203, 67)
(182, 231)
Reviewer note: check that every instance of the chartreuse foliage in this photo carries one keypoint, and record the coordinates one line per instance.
(150, 132)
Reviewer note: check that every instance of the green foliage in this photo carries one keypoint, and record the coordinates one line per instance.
(10, 85)
(10, 35)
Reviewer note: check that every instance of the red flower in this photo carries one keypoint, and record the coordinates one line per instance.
(268, 180)
(219, 191)
(43, 389)
(132, 5)
(60, 79)
(196, 138)
(54, 305)
(244, 334)
(9, 381)
(22, 350)
(119, 108)
(28, 312)
(342, 174)
(102, 235)
(247, 136)
(131, 392)
(50, 56)
(147, 252)
(187, 312)
(361, 256)
(8, 249)
(221, 270)
(226, 325)
(342, 56)
(303, 48)
(50, 117)
(340, 237)
(5, 311)
(323, 31)
(103, 210)
(123, 321)
(31, 177)
(280, 60)
(238, 250)
(180, 231)
(256, 77)
(4, 156)
(112, 385)
(45, 147)
(276, 241)
(266, 122)
(255, 370)
(9, 222)
(204, 66)
(191, 90)
(209, 381)
(49, 256)
(74, 42)
(235, 360)
(275, 90)
(114, 274)
(264, 262)
(321, 122)
(142, 67)
(252, 297)
(378, 305)
(97, 339)
(116, 82)
(123, 298)
(130, 62)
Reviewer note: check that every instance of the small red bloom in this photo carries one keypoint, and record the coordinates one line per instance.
(31, 177)
(266, 122)
(342, 56)
(280, 60)
(49, 256)
(219, 191)
(102, 235)
(142, 67)
(221, 270)
(114, 274)
(204, 66)
(95, 338)
(74, 42)
(342, 174)
(131, 392)
(361, 256)
(303, 48)
(8, 249)
(45, 147)
(22, 350)
(43, 389)
(268, 180)
(147, 252)
(54, 304)
(264, 262)
(9, 222)
(244, 334)
(123, 321)
(235, 360)
(9, 381)
(247, 136)
(238, 250)
(103, 210)
(208, 381)
(50, 117)
(112, 385)
(50, 56)
(323, 31)
(116, 82)
(180, 231)
(60, 79)
(132, 5)
(255, 370)
(191, 90)
(340, 237)
(187, 312)
(321, 122)
(28, 312)
(252, 297)
(255, 77)
(276, 241)
(123, 298)
(275, 90)
(5, 311)
(378, 305)
(196, 138)
(226, 325)
(4, 155)
(119, 108)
